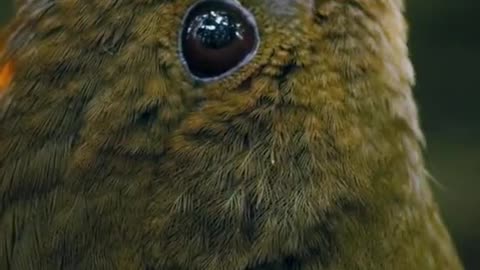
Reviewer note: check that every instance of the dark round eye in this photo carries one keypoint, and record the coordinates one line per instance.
(217, 38)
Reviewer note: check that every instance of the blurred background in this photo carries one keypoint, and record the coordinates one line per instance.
(445, 48)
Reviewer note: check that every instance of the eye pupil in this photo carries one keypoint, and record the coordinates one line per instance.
(216, 29)
(217, 37)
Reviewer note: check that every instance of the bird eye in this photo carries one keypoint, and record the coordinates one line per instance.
(217, 38)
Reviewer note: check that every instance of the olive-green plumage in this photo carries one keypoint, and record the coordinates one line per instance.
(308, 157)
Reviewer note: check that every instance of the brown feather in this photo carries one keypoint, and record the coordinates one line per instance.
(308, 157)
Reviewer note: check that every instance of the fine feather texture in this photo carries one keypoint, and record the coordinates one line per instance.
(308, 157)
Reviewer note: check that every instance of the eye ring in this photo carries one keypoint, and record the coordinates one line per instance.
(239, 49)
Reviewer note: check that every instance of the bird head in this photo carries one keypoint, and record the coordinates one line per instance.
(216, 89)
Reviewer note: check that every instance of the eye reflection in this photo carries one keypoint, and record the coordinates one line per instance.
(217, 38)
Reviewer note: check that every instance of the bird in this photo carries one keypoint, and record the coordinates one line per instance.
(213, 134)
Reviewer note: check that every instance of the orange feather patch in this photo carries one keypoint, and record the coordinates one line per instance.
(6, 74)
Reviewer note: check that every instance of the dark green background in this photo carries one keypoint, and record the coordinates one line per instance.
(445, 47)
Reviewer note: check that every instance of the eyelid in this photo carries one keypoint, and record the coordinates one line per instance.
(289, 7)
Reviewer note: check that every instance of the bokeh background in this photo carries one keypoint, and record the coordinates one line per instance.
(445, 48)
